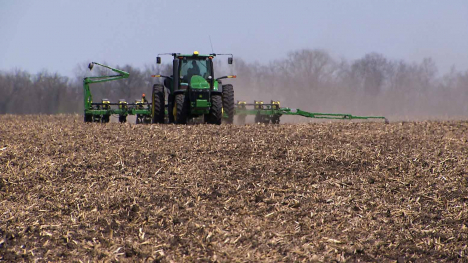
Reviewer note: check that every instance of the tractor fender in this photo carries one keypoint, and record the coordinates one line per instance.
(216, 92)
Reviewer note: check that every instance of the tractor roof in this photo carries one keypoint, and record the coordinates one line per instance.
(195, 54)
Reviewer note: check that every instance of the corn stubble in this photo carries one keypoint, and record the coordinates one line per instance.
(306, 192)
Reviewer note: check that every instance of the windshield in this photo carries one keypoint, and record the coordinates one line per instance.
(190, 67)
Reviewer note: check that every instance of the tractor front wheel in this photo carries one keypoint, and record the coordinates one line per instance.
(216, 112)
(158, 107)
(180, 109)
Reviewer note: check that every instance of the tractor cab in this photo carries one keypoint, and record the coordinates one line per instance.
(194, 71)
(195, 66)
(188, 66)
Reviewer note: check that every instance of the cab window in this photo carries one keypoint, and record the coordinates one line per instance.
(191, 67)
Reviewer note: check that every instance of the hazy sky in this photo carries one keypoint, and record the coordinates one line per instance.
(59, 34)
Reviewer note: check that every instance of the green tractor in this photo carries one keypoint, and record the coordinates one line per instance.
(192, 91)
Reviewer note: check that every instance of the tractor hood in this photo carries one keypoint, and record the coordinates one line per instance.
(198, 82)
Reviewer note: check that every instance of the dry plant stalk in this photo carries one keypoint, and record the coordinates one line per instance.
(306, 192)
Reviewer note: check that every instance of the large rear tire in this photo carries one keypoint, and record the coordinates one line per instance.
(228, 102)
(181, 109)
(158, 104)
(216, 111)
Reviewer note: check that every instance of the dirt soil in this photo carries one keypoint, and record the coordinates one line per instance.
(340, 191)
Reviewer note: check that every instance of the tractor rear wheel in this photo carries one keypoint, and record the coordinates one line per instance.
(228, 102)
(216, 111)
(181, 109)
(158, 107)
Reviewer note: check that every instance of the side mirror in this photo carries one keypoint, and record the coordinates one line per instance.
(230, 60)
(158, 60)
(90, 66)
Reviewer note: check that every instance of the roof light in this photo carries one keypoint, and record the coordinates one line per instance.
(195, 53)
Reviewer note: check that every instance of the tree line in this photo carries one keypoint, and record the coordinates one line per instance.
(310, 79)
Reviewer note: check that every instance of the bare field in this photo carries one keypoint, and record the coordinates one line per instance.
(339, 191)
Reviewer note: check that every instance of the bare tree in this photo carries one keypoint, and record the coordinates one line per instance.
(371, 72)
(309, 78)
